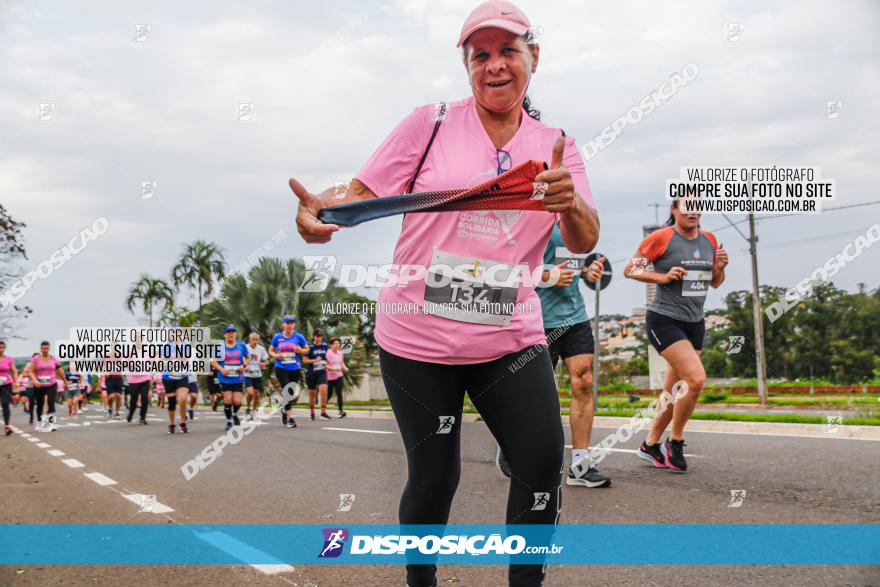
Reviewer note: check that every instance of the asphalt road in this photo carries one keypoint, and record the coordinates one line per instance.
(296, 476)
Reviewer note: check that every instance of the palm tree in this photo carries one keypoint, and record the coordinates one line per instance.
(257, 304)
(149, 291)
(199, 264)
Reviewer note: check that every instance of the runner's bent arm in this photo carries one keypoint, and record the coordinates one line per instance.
(718, 266)
(651, 276)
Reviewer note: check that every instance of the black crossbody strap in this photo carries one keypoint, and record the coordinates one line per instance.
(412, 182)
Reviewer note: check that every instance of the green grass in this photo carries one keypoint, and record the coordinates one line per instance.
(774, 418)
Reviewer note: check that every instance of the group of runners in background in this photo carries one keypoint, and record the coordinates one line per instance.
(235, 379)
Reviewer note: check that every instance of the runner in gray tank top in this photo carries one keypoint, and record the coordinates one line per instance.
(687, 262)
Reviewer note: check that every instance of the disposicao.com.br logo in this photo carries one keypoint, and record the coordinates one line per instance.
(430, 544)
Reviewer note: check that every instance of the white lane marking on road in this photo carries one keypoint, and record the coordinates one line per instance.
(73, 463)
(100, 479)
(357, 430)
(55, 453)
(87, 423)
(627, 450)
(243, 552)
(274, 569)
(156, 508)
(25, 435)
(75, 424)
(32, 439)
(44, 445)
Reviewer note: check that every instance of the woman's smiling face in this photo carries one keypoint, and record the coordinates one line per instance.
(499, 65)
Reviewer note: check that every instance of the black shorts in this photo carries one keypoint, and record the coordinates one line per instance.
(193, 386)
(231, 386)
(316, 378)
(113, 385)
(575, 340)
(213, 384)
(255, 382)
(172, 385)
(663, 331)
(286, 377)
(6, 392)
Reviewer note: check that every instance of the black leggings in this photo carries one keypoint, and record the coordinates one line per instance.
(286, 376)
(5, 398)
(521, 410)
(41, 393)
(335, 386)
(138, 390)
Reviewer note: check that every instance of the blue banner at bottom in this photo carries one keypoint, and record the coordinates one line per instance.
(612, 544)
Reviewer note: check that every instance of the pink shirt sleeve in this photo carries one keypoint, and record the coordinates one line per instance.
(390, 169)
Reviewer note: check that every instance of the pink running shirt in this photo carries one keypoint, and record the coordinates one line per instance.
(6, 370)
(462, 156)
(44, 371)
(334, 359)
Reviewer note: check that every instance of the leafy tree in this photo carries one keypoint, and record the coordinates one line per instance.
(173, 315)
(715, 362)
(12, 256)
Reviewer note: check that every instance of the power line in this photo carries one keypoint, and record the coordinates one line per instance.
(801, 241)
(732, 224)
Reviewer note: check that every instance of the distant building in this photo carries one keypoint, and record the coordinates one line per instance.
(713, 322)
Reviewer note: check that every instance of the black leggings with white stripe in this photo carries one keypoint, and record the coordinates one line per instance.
(48, 393)
(520, 408)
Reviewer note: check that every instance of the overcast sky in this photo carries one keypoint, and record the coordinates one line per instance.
(330, 80)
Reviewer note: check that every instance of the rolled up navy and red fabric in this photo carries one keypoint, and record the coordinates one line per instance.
(515, 189)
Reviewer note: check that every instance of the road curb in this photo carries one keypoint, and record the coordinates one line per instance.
(709, 426)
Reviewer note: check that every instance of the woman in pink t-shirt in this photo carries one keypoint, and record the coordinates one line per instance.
(336, 370)
(45, 371)
(479, 330)
(139, 391)
(8, 385)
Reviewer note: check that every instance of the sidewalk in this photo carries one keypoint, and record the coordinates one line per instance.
(709, 426)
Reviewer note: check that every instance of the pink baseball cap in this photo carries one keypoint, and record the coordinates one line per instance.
(495, 13)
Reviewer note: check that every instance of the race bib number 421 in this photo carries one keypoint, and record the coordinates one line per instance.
(574, 261)
(478, 291)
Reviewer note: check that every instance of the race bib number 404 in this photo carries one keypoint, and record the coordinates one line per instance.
(478, 291)
(696, 283)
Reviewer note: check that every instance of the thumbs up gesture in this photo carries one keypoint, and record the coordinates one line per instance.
(559, 196)
(721, 259)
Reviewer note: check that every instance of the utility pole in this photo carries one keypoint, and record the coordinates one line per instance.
(656, 207)
(760, 356)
